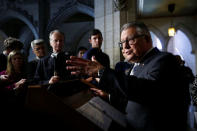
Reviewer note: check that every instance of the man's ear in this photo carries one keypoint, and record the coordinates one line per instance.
(90, 41)
(34, 51)
(147, 38)
(50, 43)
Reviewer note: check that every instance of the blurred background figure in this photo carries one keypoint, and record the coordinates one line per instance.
(38, 48)
(51, 69)
(95, 52)
(15, 73)
(187, 72)
(10, 44)
(124, 66)
(96, 40)
(81, 51)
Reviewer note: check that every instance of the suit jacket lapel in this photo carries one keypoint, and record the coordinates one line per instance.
(148, 56)
(138, 69)
(145, 60)
(128, 71)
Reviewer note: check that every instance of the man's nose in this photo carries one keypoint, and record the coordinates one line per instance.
(58, 41)
(127, 46)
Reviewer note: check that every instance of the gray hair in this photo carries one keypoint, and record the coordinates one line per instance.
(36, 42)
(141, 28)
(51, 33)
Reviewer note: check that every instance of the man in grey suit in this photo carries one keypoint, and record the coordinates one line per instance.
(155, 89)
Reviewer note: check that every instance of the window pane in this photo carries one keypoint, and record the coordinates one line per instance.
(180, 45)
(156, 41)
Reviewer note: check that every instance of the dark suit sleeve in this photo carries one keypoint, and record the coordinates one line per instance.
(123, 67)
(129, 86)
(3, 62)
(87, 54)
(31, 69)
(39, 74)
(105, 60)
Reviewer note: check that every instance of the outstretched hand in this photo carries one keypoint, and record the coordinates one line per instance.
(101, 93)
(79, 66)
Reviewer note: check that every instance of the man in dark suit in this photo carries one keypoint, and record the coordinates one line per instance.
(38, 48)
(96, 39)
(81, 51)
(51, 69)
(155, 88)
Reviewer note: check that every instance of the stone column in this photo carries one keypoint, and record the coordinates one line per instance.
(43, 17)
(110, 15)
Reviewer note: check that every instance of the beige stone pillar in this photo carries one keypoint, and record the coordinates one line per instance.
(109, 17)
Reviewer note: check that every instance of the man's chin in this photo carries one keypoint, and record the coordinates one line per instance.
(58, 50)
(132, 59)
(129, 58)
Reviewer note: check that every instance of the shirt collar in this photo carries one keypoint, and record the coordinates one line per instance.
(146, 54)
(38, 58)
(54, 55)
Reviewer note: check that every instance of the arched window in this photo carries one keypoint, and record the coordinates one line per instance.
(156, 41)
(181, 45)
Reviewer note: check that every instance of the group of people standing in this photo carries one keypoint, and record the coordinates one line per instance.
(149, 86)
(152, 83)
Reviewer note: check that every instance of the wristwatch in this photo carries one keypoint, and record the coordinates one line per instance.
(100, 72)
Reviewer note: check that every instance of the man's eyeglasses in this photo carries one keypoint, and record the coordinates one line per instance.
(131, 40)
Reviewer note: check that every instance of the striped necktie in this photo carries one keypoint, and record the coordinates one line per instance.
(134, 69)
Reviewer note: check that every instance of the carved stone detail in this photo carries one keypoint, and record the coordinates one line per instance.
(59, 13)
(67, 4)
(12, 5)
(119, 5)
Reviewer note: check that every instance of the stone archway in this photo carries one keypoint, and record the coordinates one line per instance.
(2, 38)
(25, 31)
(182, 44)
(159, 34)
(71, 10)
(12, 14)
(189, 34)
(66, 12)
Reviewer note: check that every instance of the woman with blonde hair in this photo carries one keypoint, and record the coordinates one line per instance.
(15, 75)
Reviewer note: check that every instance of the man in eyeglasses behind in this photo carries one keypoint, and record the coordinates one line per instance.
(155, 89)
(38, 48)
